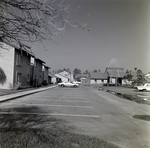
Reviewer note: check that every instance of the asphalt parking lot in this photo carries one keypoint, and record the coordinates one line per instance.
(84, 110)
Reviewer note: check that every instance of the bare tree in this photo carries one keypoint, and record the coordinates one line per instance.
(24, 21)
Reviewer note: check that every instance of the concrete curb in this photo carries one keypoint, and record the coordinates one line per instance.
(22, 94)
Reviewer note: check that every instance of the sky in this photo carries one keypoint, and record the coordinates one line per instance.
(117, 34)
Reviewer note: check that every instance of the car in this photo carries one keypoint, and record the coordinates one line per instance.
(68, 84)
(144, 87)
(77, 82)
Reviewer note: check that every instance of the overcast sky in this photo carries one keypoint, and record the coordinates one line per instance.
(117, 35)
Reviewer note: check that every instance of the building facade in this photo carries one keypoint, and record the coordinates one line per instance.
(16, 65)
(20, 69)
(115, 75)
(98, 78)
(65, 76)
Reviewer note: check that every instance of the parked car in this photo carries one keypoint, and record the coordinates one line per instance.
(68, 84)
(77, 82)
(145, 87)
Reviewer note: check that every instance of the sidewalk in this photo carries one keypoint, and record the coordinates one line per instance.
(22, 93)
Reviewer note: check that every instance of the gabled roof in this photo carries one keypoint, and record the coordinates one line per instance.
(121, 74)
(84, 75)
(18, 48)
(46, 66)
(64, 74)
(52, 75)
(115, 72)
(114, 68)
(97, 75)
(37, 59)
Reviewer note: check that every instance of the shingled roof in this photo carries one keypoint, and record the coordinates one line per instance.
(84, 75)
(115, 72)
(98, 76)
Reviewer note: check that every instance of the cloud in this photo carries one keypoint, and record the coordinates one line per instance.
(114, 63)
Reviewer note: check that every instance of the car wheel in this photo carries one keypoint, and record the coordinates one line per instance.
(144, 90)
(62, 85)
(75, 86)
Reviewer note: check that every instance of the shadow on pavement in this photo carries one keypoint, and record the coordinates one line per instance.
(29, 130)
(25, 128)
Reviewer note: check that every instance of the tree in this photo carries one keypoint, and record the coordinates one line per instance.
(86, 72)
(139, 78)
(128, 75)
(99, 70)
(95, 71)
(23, 21)
(66, 69)
(76, 71)
(135, 68)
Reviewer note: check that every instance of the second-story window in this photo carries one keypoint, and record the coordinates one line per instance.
(18, 59)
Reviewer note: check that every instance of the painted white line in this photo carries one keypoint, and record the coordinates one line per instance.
(54, 96)
(63, 101)
(50, 114)
(63, 106)
(47, 99)
(74, 115)
(50, 105)
(143, 96)
(67, 101)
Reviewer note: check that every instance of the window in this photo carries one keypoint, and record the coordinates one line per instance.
(43, 68)
(18, 59)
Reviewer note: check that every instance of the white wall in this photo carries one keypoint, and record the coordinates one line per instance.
(7, 64)
(65, 76)
(125, 81)
(96, 82)
(53, 80)
(62, 78)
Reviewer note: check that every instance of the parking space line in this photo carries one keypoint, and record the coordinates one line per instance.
(51, 105)
(65, 101)
(47, 97)
(51, 114)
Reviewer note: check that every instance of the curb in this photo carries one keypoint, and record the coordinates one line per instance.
(22, 94)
